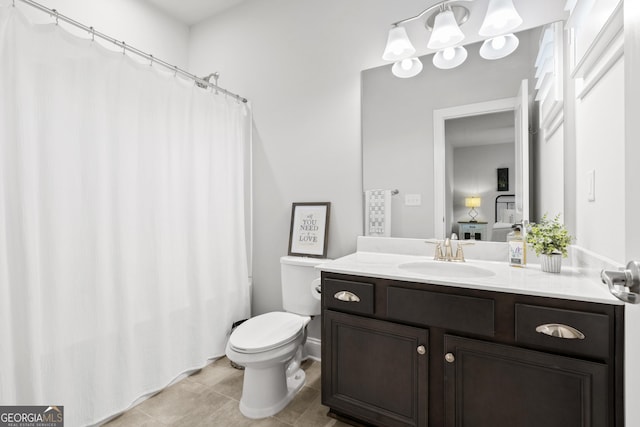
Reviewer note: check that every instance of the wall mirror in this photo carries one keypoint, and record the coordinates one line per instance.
(400, 149)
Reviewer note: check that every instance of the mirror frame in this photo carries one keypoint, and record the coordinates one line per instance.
(439, 164)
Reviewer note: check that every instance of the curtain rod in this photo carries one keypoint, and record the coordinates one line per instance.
(177, 70)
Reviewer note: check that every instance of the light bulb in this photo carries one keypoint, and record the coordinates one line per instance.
(449, 53)
(499, 47)
(406, 68)
(448, 58)
(498, 42)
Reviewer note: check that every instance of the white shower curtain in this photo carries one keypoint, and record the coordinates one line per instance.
(123, 259)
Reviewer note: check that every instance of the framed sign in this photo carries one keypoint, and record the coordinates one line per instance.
(309, 229)
(503, 179)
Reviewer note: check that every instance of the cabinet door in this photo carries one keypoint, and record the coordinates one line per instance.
(375, 371)
(489, 385)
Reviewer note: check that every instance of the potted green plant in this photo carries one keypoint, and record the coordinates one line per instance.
(550, 239)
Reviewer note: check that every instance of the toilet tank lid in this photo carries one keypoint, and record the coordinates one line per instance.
(301, 260)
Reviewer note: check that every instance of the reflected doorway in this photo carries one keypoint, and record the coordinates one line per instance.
(480, 166)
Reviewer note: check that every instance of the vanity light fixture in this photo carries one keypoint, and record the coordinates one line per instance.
(473, 203)
(446, 32)
(398, 45)
(499, 47)
(443, 20)
(501, 18)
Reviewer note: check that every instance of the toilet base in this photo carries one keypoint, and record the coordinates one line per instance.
(258, 404)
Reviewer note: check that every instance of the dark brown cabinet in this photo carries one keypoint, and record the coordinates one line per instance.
(413, 354)
(488, 385)
(378, 370)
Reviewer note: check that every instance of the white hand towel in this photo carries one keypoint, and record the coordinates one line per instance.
(377, 213)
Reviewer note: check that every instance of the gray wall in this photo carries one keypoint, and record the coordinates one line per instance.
(474, 173)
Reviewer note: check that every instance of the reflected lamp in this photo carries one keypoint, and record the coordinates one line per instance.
(473, 203)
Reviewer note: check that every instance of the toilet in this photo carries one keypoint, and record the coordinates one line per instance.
(270, 346)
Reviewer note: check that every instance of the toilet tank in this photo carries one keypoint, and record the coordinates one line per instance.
(298, 277)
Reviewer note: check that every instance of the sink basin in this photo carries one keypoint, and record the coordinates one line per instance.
(445, 269)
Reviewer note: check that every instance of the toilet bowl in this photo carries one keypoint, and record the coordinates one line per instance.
(269, 346)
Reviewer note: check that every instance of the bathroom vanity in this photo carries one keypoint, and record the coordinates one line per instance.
(514, 348)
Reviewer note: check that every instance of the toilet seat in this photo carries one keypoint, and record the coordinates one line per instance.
(267, 331)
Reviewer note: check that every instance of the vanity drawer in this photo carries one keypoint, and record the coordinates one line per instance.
(452, 312)
(349, 296)
(591, 339)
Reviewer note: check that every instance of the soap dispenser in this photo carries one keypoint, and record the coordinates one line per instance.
(517, 247)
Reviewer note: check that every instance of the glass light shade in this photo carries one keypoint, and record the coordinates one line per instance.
(450, 57)
(499, 47)
(408, 67)
(472, 202)
(446, 32)
(398, 45)
(502, 17)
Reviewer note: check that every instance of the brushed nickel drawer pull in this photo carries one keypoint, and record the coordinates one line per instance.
(421, 349)
(560, 331)
(449, 357)
(346, 296)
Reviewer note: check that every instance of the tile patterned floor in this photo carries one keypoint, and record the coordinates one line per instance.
(210, 398)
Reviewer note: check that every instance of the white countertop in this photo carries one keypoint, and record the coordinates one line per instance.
(571, 283)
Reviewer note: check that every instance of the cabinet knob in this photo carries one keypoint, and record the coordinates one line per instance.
(421, 349)
(449, 357)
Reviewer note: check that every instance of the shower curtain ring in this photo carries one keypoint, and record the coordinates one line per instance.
(93, 34)
(57, 15)
(150, 60)
(216, 76)
(175, 73)
(124, 47)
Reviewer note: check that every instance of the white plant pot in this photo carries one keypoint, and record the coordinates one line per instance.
(551, 263)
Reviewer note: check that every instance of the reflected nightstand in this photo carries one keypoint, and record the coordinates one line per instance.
(472, 230)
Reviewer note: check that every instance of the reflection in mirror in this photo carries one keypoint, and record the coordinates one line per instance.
(398, 133)
(480, 163)
(518, 106)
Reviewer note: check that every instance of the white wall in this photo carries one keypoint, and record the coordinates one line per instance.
(601, 147)
(595, 127)
(133, 21)
(299, 63)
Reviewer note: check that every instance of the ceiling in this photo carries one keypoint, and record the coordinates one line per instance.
(534, 12)
(193, 11)
(486, 129)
